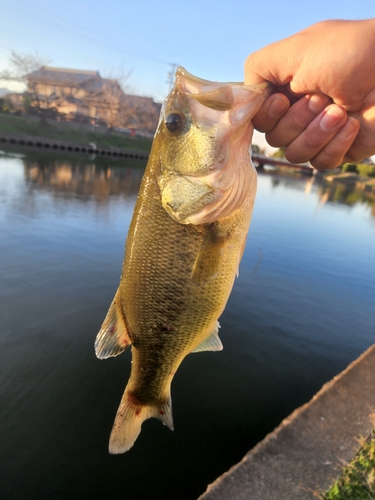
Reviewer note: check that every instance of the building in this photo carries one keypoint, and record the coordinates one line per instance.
(86, 96)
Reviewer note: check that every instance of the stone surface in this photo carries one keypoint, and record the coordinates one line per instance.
(307, 451)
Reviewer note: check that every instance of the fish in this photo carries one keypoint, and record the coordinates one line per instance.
(184, 244)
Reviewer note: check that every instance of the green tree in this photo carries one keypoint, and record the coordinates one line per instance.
(349, 167)
(280, 153)
(5, 105)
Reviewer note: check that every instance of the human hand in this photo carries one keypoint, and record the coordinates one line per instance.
(323, 105)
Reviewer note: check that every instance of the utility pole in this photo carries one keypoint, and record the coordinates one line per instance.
(170, 74)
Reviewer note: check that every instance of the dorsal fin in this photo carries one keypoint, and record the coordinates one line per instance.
(113, 337)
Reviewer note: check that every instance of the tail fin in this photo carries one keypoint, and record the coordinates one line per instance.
(129, 419)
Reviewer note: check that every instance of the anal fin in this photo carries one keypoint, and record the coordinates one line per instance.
(113, 337)
(211, 343)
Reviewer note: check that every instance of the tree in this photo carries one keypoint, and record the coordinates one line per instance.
(257, 150)
(20, 65)
(117, 83)
(279, 153)
(122, 109)
(120, 76)
(5, 105)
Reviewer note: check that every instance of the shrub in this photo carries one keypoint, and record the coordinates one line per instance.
(5, 105)
(279, 153)
(357, 481)
(366, 170)
(349, 167)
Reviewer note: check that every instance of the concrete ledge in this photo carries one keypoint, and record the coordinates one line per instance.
(32, 142)
(306, 452)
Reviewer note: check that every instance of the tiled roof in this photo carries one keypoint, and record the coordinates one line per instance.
(63, 76)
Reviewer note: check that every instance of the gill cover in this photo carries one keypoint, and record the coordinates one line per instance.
(206, 133)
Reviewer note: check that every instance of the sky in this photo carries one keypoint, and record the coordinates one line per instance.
(210, 38)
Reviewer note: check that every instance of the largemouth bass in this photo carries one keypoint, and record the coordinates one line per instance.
(184, 245)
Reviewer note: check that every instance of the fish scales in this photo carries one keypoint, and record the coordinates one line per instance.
(183, 251)
(169, 309)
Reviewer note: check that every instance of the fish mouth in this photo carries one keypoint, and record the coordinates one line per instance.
(188, 82)
(205, 168)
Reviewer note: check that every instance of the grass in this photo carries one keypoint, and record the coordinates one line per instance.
(359, 168)
(69, 132)
(357, 480)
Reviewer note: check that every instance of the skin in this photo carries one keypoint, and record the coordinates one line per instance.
(323, 105)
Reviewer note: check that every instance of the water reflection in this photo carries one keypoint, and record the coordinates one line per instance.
(86, 180)
(337, 192)
(349, 195)
(301, 310)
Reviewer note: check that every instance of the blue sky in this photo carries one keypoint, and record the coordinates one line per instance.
(210, 38)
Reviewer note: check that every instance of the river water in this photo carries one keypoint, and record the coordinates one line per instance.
(301, 310)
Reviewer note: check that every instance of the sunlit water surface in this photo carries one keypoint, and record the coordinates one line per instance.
(301, 310)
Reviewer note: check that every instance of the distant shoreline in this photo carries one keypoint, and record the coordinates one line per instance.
(359, 181)
(49, 145)
(27, 131)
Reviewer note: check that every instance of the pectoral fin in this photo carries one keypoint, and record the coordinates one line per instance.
(211, 343)
(113, 337)
(209, 258)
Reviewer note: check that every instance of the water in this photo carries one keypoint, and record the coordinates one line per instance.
(301, 310)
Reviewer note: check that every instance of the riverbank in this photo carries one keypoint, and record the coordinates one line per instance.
(30, 127)
(352, 179)
(35, 143)
(302, 457)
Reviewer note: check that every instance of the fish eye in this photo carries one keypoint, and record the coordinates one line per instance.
(174, 122)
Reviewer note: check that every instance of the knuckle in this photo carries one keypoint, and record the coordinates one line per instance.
(295, 157)
(335, 153)
(303, 150)
(249, 62)
(321, 164)
(274, 141)
(262, 128)
(328, 159)
(352, 156)
(297, 122)
(262, 123)
(312, 141)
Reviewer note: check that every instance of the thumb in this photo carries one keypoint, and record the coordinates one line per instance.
(274, 63)
(255, 72)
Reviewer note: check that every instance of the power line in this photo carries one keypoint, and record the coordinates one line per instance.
(75, 31)
(170, 74)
